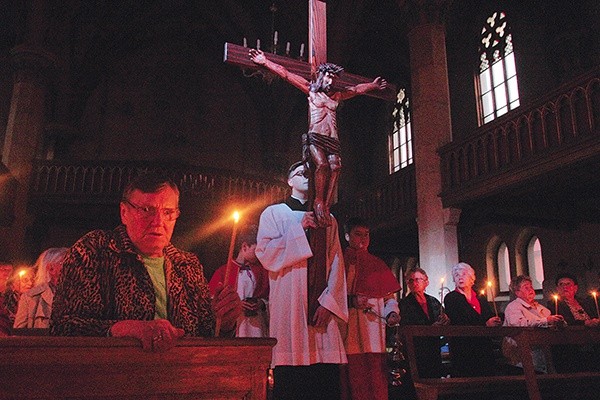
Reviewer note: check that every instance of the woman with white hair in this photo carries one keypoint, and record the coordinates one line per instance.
(470, 356)
(35, 305)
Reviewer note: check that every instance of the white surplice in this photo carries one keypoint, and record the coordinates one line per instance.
(283, 249)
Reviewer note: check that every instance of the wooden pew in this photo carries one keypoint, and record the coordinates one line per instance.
(526, 338)
(117, 368)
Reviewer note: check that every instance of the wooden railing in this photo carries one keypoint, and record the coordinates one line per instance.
(529, 382)
(558, 130)
(390, 201)
(117, 368)
(102, 182)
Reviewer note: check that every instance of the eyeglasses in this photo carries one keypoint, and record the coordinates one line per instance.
(302, 173)
(411, 280)
(147, 212)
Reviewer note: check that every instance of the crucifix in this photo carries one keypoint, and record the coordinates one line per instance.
(325, 89)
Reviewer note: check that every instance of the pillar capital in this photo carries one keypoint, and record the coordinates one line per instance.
(421, 12)
(33, 64)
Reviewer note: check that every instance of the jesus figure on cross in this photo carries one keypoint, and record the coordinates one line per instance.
(321, 145)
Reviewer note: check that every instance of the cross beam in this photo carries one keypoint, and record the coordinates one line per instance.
(238, 55)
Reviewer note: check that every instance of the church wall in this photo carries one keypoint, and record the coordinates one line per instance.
(575, 250)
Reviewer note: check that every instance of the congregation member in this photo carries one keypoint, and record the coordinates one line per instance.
(470, 356)
(525, 311)
(251, 281)
(35, 305)
(133, 282)
(372, 307)
(309, 348)
(5, 324)
(576, 311)
(419, 308)
(19, 281)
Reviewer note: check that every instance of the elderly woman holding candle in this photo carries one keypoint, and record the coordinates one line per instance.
(470, 356)
(576, 311)
(525, 311)
(419, 308)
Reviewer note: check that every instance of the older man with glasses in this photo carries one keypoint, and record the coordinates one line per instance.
(133, 282)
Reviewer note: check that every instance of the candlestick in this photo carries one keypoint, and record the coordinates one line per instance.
(493, 297)
(596, 301)
(442, 295)
(555, 304)
(236, 218)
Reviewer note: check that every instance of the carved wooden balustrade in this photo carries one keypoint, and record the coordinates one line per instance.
(103, 182)
(391, 201)
(557, 131)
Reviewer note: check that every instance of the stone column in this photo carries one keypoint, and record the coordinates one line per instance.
(24, 132)
(438, 247)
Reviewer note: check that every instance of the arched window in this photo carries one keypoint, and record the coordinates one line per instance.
(497, 79)
(534, 261)
(503, 262)
(400, 140)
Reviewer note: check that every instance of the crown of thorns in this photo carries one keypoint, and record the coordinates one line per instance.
(331, 68)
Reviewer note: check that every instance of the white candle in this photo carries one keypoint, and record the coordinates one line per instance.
(275, 37)
(287, 48)
(257, 44)
(245, 43)
(301, 49)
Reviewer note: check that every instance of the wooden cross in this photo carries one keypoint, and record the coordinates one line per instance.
(317, 53)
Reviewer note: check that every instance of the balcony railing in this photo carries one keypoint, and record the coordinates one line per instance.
(103, 182)
(390, 202)
(557, 131)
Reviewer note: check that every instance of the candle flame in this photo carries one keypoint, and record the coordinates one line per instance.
(442, 280)
(21, 273)
(555, 297)
(489, 283)
(482, 292)
(236, 216)
(594, 293)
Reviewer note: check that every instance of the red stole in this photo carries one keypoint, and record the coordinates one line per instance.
(373, 277)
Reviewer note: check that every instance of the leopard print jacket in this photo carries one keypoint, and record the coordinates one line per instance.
(104, 281)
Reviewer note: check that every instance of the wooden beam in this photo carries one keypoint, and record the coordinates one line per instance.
(238, 55)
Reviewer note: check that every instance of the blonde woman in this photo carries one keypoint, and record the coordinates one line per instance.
(35, 305)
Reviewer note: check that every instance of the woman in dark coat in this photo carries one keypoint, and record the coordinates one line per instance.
(470, 356)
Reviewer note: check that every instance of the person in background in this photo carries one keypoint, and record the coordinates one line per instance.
(309, 349)
(5, 324)
(35, 305)
(251, 281)
(470, 356)
(20, 280)
(132, 282)
(419, 308)
(525, 311)
(372, 307)
(576, 311)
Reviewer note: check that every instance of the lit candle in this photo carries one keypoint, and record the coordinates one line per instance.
(555, 304)
(442, 296)
(236, 218)
(489, 284)
(257, 44)
(275, 37)
(596, 301)
(245, 42)
(21, 275)
(301, 50)
(287, 48)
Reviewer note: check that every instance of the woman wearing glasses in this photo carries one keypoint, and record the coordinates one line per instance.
(419, 308)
